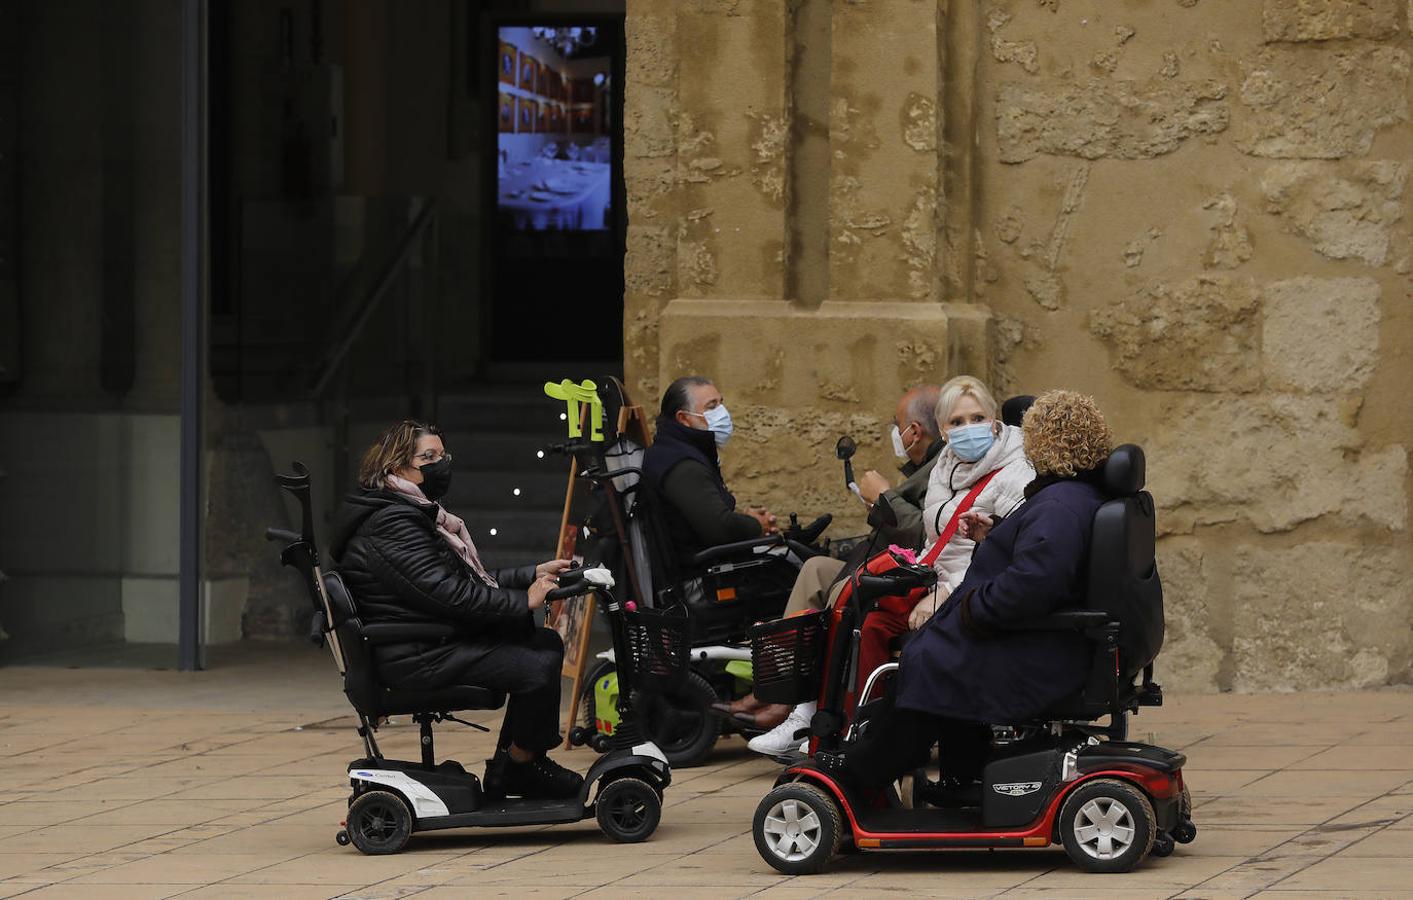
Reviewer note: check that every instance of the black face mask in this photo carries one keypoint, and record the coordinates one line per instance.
(436, 479)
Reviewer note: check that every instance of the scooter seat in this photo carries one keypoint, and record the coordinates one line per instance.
(448, 699)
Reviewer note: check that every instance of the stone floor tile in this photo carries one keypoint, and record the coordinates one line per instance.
(1310, 734)
(81, 838)
(171, 868)
(1225, 757)
(23, 864)
(1348, 873)
(228, 891)
(1321, 841)
(1381, 843)
(535, 891)
(165, 812)
(1220, 783)
(1390, 810)
(1277, 894)
(70, 891)
(1251, 875)
(1362, 759)
(1330, 783)
(1275, 811)
(1236, 840)
(341, 870)
(1176, 873)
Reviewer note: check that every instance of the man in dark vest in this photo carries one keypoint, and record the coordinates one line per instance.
(682, 469)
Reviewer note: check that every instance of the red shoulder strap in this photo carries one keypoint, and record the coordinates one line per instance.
(951, 528)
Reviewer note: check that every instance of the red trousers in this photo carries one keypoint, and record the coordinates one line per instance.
(887, 621)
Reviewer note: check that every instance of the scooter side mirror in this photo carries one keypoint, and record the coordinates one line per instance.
(846, 448)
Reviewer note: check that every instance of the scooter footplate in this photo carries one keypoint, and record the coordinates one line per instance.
(510, 813)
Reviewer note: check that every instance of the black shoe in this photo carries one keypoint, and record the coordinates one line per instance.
(540, 779)
(946, 792)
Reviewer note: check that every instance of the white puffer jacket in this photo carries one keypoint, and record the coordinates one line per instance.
(948, 486)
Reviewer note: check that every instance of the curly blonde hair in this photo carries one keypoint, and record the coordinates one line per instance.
(1065, 433)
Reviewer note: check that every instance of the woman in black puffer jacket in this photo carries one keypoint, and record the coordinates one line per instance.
(406, 559)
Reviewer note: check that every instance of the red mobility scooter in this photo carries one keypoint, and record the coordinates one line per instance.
(1060, 779)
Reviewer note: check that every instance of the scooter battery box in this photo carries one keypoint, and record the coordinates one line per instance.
(1017, 786)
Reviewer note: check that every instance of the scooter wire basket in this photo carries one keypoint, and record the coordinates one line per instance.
(788, 657)
(659, 640)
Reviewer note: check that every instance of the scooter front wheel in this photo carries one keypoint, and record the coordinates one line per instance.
(379, 823)
(1107, 825)
(628, 810)
(798, 829)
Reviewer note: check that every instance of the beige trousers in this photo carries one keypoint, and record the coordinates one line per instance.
(812, 585)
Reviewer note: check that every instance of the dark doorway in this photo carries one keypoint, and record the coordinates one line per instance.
(555, 211)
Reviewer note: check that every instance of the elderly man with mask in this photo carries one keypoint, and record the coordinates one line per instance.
(917, 441)
(683, 470)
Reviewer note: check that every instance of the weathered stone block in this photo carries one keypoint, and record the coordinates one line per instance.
(1271, 462)
(1321, 615)
(652, 48)
(1199, 335)
(1324, 20)
(1321, 334)
(649, 116)
(649, 261)
(1319, 103)
(1100, 118)
(1191, 659)
(1347, 212)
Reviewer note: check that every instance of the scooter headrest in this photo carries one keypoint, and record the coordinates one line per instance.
(1125, 471)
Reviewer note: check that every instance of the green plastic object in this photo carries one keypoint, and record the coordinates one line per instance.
(743, 672)
(606, 703)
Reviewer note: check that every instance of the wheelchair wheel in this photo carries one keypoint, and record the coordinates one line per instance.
(797, 829)
(679, 720)
(628, 810)
(379, 823)
(1107, 825)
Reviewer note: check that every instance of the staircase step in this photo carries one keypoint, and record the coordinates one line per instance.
(495, 489)
(514, 531)
(484, 451)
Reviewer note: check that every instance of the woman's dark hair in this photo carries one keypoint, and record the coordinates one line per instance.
(676, 399)
(391, 451)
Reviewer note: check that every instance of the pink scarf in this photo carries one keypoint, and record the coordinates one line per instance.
(452, 529)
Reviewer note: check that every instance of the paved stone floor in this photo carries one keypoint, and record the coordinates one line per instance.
(228, 783)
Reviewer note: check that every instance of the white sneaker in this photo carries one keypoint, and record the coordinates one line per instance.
(781, 739)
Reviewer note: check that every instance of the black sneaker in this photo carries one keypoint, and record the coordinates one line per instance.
(946, 792)
(540, 779)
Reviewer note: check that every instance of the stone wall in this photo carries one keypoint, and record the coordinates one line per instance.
(1194, 210)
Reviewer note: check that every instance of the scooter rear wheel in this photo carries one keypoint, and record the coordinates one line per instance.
(1107, 825)
(628, 810)
(379, 823)
(797, 829)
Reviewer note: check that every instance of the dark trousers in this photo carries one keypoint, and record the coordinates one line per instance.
(528, 669)
(897, 741)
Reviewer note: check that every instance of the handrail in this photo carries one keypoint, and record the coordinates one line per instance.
(329, 366)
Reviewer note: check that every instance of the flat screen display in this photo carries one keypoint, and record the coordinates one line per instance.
(555, 150)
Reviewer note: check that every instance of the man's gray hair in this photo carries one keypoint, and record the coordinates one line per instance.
(922, 408)
(677, 397)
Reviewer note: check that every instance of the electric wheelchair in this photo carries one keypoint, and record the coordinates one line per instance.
(1060, 778)
(391, 799)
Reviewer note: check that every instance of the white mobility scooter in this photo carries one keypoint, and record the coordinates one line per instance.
(392, 799)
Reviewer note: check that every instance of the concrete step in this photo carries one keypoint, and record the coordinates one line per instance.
(534, 531)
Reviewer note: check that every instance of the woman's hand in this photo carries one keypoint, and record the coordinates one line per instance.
(542, 586)
(872, 485)
(974, 525)
(553, 567)
(923, 611)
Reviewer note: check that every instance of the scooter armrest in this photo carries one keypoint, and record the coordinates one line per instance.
(1064, 620)
(407, 632)
(713, 554)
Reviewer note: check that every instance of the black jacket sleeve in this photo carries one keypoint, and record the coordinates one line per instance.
(403, 556)
(520, 577)
(690, 488)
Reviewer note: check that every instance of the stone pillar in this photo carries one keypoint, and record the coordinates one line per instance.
(783, 170)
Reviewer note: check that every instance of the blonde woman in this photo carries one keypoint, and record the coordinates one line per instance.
(964, 668)
(406, 559)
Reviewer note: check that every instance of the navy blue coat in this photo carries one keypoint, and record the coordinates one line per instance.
(961, 665)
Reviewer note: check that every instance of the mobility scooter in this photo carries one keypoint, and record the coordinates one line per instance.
(1062, 778)
(392, 799)
(723, 589)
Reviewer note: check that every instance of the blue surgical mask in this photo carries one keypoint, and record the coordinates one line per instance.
(718, 422)
(970, 442)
